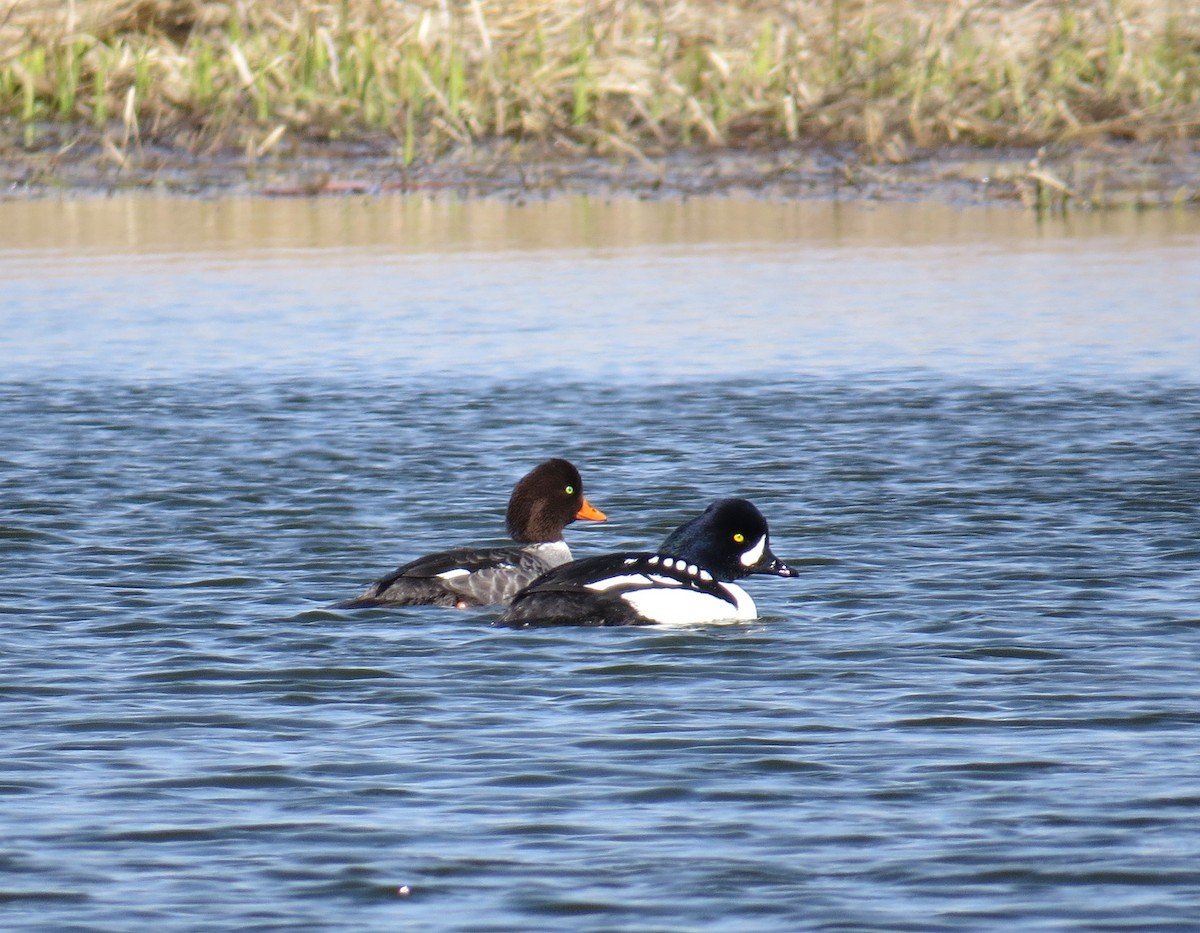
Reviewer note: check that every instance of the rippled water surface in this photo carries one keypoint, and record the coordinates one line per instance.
(978, 437)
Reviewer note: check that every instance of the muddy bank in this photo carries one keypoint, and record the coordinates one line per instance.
(1095, 177)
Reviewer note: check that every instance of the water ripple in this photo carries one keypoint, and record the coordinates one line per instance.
(975, 709)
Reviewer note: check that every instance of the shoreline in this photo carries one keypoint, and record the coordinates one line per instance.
(1061, 178)
(1093, 105)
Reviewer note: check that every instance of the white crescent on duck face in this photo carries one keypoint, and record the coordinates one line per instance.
(688, 581)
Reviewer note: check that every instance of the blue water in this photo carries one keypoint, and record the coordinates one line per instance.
(976, 709)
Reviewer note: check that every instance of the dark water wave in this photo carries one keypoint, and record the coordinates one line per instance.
(977, 708)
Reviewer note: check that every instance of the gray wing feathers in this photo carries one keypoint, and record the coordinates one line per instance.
(496, 585)
(460, 578)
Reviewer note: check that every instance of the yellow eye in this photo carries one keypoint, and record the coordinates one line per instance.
(570, 490)
(739, 537)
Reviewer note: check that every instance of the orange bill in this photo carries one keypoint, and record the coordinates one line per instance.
(590, 512)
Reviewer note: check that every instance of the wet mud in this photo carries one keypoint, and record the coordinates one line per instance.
(1085, 177)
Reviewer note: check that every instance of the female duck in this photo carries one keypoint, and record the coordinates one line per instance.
(543, 503)
(688, 581)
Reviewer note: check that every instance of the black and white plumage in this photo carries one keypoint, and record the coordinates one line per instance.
(543, 503)
(688, 581)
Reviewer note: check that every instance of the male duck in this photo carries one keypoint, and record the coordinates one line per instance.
(688, 581)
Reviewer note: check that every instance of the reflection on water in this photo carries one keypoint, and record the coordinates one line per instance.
(976, 708)
(398, 225)
(597, 290)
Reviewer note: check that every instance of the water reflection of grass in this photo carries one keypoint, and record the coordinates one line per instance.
(609, 76)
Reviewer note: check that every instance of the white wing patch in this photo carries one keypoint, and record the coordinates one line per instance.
(753, 554)
(634, 579)
(691, 607)
(452, 574)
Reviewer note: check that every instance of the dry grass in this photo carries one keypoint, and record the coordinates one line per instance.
(606, 76)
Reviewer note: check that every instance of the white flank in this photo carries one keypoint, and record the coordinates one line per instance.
(754, 553)
(689, 607)
(451, 574)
